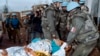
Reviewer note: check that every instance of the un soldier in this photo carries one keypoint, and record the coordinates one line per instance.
(63, 21)
(84, 8)
(48, 21)
(82, 31)
(57, 15)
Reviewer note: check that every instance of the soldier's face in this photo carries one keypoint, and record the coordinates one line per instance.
(37, 10)
(8, 16)
(63, 8)
(76, 0)
(54, 4)
(58, 4)
(13, 16)
(27, 17)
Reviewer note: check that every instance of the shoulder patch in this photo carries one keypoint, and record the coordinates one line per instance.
(73, 30)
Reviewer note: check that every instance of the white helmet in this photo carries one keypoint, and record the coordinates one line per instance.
(13, 14)
(71, 5)
(64, 4)
(8, 14)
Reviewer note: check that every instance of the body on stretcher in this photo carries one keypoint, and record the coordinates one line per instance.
(31, 49)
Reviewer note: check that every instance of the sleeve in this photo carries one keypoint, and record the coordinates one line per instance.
(77, 23)
(31, 19)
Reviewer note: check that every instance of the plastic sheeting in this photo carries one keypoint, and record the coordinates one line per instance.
(61, 52)
(21, 52)
(12, 50)
(41, 46)
(1, 52)
(54, 46)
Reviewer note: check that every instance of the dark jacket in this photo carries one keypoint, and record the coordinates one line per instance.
(37, 23)
(7, 22)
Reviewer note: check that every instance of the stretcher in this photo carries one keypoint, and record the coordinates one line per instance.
(37, 48)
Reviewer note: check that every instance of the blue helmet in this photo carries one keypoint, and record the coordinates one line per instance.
(64, 4)
(82, 1)
(53, 0)
(71, 5)
(58, 0)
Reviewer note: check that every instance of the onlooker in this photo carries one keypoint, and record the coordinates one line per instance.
(27, 23)
(37, 23)
(32, 33)
(7, 25)
(15, 27)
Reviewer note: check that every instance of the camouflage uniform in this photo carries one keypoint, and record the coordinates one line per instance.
(48, 25)
(57, 15)
(63, 24)
(84, 8)
(83, 32)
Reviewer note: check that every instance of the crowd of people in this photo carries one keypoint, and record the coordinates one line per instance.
(67, 21)
(31, 23)
(12, 24)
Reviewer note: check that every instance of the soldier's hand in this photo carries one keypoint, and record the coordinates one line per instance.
(53, 35)
(67, 27)
(12, 28)
(28, 50)
(35, 14)
(56, 23)
(48, 28)
(68, 48)
(4, 53)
